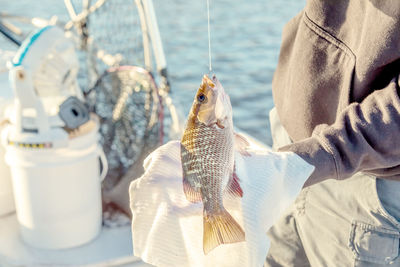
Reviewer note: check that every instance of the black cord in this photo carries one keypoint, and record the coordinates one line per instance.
(8, 35)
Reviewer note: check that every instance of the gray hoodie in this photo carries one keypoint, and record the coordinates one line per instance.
(336, 87)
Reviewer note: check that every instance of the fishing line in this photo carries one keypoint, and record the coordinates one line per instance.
(209, 36)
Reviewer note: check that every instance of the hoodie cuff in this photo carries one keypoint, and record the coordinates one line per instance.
(315, 153)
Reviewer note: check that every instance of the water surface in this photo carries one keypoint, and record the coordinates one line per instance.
(245, 39)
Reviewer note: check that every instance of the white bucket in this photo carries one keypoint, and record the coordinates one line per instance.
(6, 194)
(58, 192)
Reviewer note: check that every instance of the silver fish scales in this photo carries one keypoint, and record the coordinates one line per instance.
(207, 153)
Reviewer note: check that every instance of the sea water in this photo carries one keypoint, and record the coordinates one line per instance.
(245, 42)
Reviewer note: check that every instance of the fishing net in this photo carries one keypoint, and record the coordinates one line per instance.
(131, 118)
(109, 35)
(119, 89)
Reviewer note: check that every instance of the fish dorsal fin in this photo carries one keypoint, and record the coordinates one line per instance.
(219, 229)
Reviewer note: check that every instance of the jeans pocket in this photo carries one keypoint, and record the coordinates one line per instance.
(373, 244)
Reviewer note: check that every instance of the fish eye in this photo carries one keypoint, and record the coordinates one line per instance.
(201, 98)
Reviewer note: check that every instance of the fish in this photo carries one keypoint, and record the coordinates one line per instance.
(207, 155)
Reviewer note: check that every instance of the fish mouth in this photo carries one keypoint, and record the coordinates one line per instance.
(207, 81)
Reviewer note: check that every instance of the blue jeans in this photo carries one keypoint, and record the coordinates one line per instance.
(336, 223)
(353, 222)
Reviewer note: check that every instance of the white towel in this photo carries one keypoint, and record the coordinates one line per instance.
(168, 230)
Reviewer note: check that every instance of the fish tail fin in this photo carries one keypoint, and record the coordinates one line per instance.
(220, 229)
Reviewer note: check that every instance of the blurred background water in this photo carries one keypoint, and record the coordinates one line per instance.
(245, 40)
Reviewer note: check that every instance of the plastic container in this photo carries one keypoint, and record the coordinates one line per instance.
(58, 191)
(6, 194)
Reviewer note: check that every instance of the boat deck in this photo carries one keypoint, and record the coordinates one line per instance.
(113, 247)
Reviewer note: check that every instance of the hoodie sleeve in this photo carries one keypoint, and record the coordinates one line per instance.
(365, 137)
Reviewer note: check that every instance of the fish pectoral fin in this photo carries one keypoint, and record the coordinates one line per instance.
(192, 194)
(241, 144)
(233, 187)
(220, 229)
